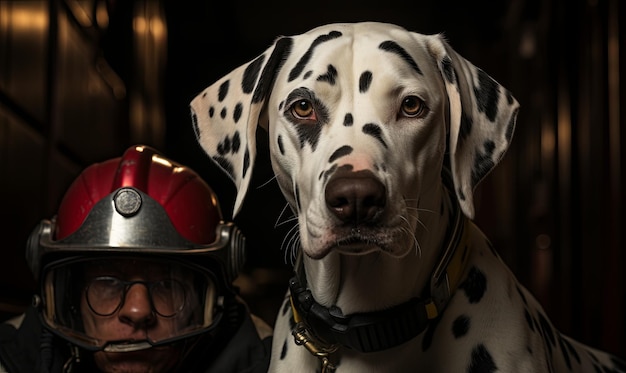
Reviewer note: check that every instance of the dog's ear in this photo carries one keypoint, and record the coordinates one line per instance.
(225, 115)
(482, 120)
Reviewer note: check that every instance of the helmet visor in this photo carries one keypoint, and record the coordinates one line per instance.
(121, 303)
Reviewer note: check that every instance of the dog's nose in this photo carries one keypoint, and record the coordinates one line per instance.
(355, 197)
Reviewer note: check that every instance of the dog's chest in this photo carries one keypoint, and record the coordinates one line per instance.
(491, 324)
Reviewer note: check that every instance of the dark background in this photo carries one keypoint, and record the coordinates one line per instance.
(80, 81)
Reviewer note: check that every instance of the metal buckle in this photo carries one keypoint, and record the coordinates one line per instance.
(303, 337)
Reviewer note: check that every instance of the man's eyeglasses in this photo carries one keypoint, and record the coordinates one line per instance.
(106, 295)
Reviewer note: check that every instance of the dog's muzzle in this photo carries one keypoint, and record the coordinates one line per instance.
(381, 330)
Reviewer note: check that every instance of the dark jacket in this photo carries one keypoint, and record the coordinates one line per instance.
(32, 349)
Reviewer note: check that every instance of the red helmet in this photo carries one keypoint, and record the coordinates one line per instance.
(141, 206)
(188, 201)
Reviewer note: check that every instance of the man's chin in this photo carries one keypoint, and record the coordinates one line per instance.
(152, 360)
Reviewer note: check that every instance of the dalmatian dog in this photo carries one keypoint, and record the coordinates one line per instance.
(378, 137)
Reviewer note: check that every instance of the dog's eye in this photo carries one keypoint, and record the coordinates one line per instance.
(302, 109)
(412, 106)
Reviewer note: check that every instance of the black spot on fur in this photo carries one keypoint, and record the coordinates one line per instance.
(521, 294)
(374, 131)
(565, 354)
(329, 172)
(301, 64)
(474, 285)
(237, 112)
(307, 74)
(510, 127)
(236, 142)
(280, 106)
(296, 192)
(223, 113)
(607, 369)
(344, 150)
(593, 356)
(348, 120)
(547, 332)
(460, 326)
(483, 162)
(224, 146)
(281, 146)
(211, 111)
(448, 70)
(274, 65)
(460, 194)
(509, 98)
(529, 320)
(487, 94)
(618, 363)
(223, 90)
(571, 349)
(251, 73)
(283, 351)
(365, 81)
(537, 326)
(393, 47)
(482, 362)
(330, 77)
(246, 163)
(465, 126)
(308, 132)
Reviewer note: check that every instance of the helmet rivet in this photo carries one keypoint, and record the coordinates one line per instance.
(127, 202)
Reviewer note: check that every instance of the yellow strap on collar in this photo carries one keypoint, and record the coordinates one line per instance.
(459, 260)
(296, 315)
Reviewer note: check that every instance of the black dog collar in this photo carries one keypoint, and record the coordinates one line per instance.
(363, 332)
(380, 330)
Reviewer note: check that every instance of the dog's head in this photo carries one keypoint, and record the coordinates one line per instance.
(360, 117)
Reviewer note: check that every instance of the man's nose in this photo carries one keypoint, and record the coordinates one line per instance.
(137, 309)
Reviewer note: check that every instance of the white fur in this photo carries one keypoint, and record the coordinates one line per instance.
(399, 249)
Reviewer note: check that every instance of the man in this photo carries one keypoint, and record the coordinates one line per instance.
(136, 275)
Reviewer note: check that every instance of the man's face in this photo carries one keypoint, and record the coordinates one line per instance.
(133, 301)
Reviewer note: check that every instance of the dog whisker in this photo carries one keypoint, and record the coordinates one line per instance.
(419, 209)
(418, 248)
(282, 215)
(290, 243)
(293, 247)
(266, 183)
(422, 225)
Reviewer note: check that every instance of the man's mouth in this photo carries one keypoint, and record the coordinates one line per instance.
(127, 346)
